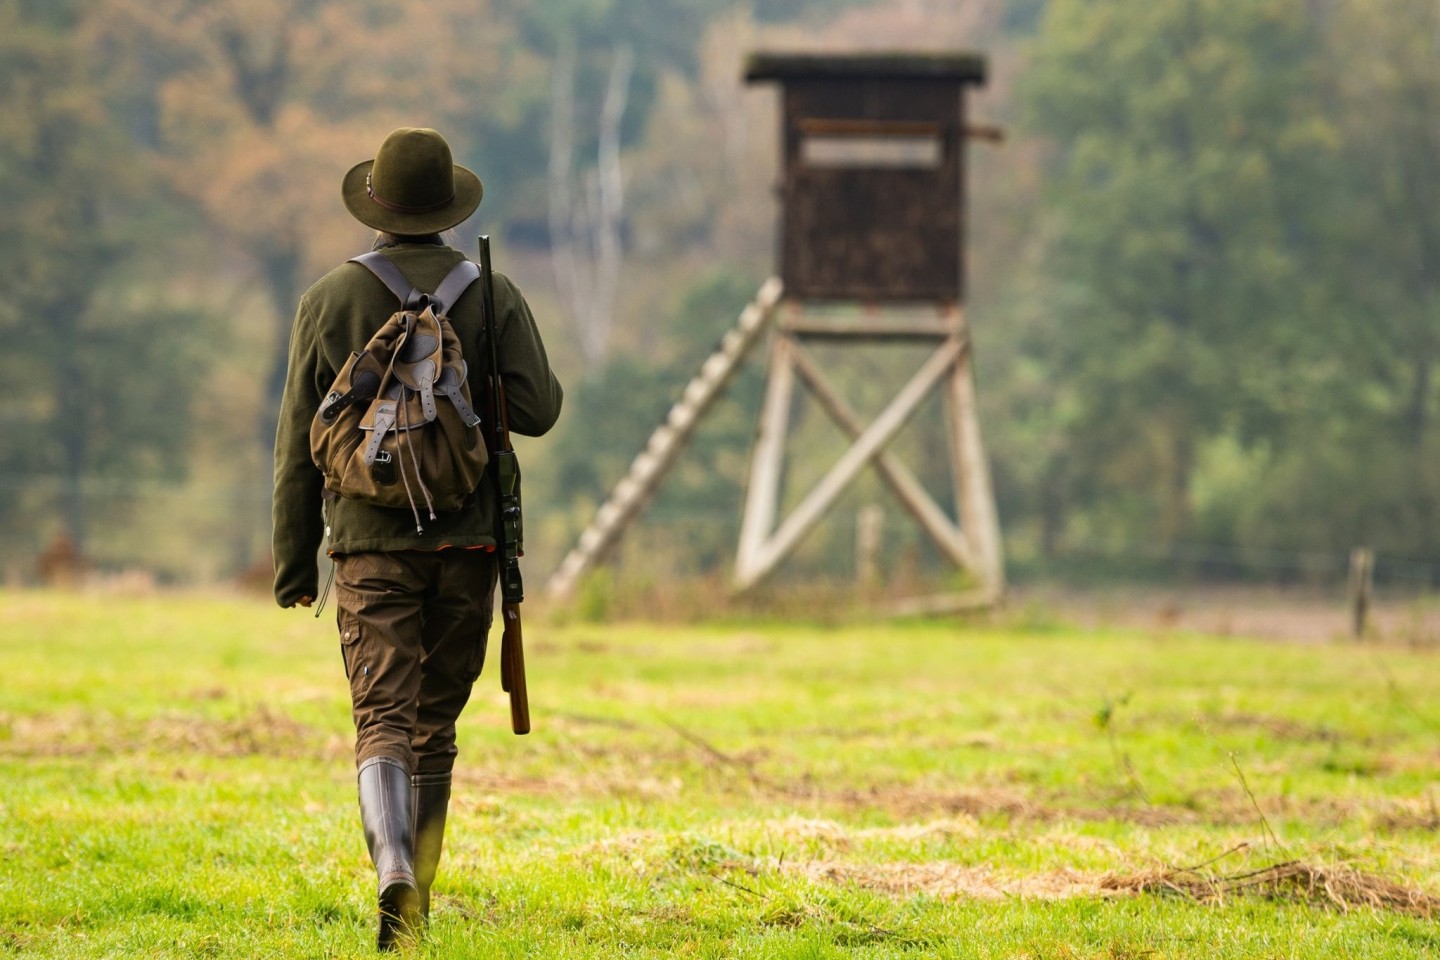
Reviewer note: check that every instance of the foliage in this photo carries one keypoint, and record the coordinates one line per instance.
(1202, 276)
(1187, 148)
(101, 379)
(257, 103)
(1385, 264)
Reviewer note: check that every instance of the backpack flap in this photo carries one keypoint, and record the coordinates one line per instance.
(420, 359)
(358, 382)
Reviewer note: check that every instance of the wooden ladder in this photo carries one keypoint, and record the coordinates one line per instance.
(635, 490)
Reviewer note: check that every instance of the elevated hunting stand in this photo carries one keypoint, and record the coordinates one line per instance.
(873, 214)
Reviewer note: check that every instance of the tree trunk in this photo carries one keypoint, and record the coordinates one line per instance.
(611, 201)
(562, 154)
(585, 231)
(1175, 518)
(280, 268)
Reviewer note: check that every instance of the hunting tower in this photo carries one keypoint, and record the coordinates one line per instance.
(873, 211)
(872, 214)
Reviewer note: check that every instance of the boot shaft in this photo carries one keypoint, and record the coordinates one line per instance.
(386, 816)
(430, 801)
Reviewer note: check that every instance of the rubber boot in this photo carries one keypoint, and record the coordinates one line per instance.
(389, 833)
(430, 799)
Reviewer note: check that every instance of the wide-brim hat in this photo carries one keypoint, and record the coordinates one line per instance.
(412, 187)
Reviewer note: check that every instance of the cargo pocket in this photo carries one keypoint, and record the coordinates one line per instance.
(349, 626)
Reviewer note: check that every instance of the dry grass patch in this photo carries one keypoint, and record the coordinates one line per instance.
(950, 881)
(1338, 887)
(262, 731)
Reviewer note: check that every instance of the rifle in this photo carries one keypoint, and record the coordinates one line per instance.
(509, 529)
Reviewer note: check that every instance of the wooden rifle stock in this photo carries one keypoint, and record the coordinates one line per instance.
(508, 528)
(512, 668)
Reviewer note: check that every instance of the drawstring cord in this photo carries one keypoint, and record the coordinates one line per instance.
(419, 478)
(326, 592)
(404, 417)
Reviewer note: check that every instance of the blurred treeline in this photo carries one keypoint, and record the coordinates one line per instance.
(1204, 266)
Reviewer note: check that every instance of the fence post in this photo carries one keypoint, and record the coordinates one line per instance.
(869, 527)
(1362, 581)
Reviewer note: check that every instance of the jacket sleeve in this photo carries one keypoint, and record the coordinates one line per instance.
(296, 507)
(532, 394)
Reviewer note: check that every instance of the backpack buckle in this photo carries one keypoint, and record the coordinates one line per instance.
(383, 471)
(330, 408)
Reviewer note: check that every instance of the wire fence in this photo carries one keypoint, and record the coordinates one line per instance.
(198, 530)
(1246, 563)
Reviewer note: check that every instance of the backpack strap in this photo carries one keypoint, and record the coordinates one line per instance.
(455, 283)
(390, 275)
(449, 384)
(384, 420)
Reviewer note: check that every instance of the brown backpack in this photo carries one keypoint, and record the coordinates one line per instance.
(383, 433)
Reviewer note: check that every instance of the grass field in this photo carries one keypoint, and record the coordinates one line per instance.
(176, 781)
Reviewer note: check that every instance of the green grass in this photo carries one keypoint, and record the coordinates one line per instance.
(176, 781)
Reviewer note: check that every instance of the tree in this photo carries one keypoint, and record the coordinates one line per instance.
(100, 378)
(1188, 144)
(606, 60)
(1389, 87)
(260, 106)
(585, 230)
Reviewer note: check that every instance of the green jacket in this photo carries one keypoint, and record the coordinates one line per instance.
(337, 316)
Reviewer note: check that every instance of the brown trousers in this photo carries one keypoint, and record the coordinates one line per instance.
(413, 626)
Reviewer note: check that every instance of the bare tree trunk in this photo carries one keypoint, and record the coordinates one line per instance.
(562, 152)
(611, 195)
(586, 248)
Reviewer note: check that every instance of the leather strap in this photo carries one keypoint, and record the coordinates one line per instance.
(455, 283)
(449, 385)
(390, 275)
(384, 420)
(400, 207)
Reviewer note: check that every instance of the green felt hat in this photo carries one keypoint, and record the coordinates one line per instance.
(412, 186)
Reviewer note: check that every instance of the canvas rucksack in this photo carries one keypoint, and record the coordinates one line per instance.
(397, 427)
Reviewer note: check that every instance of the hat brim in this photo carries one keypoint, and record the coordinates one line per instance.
(468, 192)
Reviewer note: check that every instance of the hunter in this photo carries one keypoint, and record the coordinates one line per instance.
(414, 593)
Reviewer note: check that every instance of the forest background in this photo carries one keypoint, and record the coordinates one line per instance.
(1204, 266)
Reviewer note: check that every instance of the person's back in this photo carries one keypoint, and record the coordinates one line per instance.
(337, 316)
(413, 607)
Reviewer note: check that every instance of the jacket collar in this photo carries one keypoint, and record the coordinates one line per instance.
(391, 242)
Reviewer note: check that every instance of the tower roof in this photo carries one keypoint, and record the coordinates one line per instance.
(939, 67)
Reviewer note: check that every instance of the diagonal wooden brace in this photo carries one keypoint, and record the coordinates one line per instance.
(949, 537)
(752, 568)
